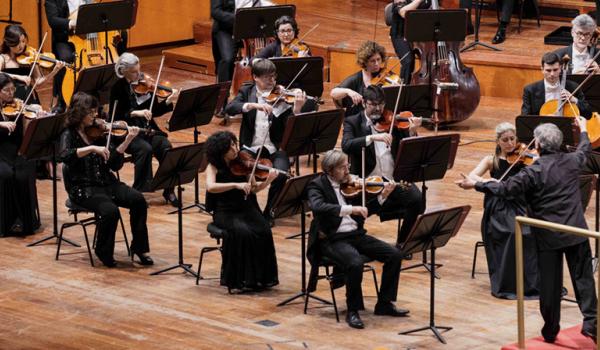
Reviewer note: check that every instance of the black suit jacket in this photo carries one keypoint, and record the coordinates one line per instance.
(354, 139)
(534, 96)
(568, 50)
(223, 15)
(57, 14)
(246, 94)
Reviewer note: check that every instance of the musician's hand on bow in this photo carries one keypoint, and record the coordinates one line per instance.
(355, 96)
(266, 108)
(10, 126)
(360, 211)
(566, 95)
(102, 151)
(382, 137)
(244, 186)
(144, 113)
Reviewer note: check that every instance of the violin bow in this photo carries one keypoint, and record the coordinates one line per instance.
(25, 102)
(589, 75)
(364, 181)
(162, 61)
(517, 160)
(300, 39)
(112, 119)
(37, 55)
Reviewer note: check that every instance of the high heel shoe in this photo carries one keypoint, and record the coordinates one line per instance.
(171, 198)
(145, 260)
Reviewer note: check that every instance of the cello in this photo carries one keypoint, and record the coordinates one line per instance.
(456, 91)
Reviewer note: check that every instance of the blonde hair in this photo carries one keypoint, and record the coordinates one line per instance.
(125, 61)
(500, 130)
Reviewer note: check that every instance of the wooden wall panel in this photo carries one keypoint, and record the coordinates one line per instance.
(25, 11)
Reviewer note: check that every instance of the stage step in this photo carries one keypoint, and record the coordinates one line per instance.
(195, 58)
(202, 30)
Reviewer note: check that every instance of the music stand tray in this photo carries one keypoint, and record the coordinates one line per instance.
(311, 79)
(179, 167)
(414, 98)
(526, 124)
(435, 25)
(259, 22)
(432, 231)
(97, 81)
(104, 17)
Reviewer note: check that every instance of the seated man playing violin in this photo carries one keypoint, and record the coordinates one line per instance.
(286, 43)
(337, 232)
(135, 110)
(263, 124)
(360, 130)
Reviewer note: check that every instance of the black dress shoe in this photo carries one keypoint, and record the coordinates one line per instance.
(549, 339)
(589, 334)
(500, 36)
(171, 198)
(145, 259)
(389, 309)
(353, 320)
(110, 262)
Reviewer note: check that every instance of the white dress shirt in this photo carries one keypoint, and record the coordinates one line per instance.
(552, 92)
(261, 123)
(384, 161)
(74, 4)
(348, 224)
(252, 3)
(580, 60)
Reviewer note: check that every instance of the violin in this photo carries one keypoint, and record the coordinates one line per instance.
(146, 84)
(100, 129)
(12, 109)
(244, 163)
(373, 185)
(521, 154)
(294, 48)
(387, 77)
(561, 107)
(45, 59)
(402, 121)
(287, 95)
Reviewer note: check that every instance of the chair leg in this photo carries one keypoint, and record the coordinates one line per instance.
(521, 5)
(477, 245)
(337, 315)
(87, 243)
(199, 265)
(374, 279)
(125, 236)
(60, 235)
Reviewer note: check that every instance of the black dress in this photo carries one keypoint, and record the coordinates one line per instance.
(249, 260)
(356, 83)
(498, 232)
(18, 192)
(22, 90)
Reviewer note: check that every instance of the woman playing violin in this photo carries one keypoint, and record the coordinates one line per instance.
(14, 44)
(498, 221)
(286, 43)
(249, 261)
(18, 193)
(134, 109)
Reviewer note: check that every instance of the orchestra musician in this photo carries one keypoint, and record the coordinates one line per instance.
(380, 151)
(498, 220)
(551, 188)
(262, 121)
(370, 56)
(286, 30)
(505, 15)
(338, 233)
(134, 109)
(249, 261)
(90, 183)
(224, 48)
(18, 192)
(536, 94)
(581, 51)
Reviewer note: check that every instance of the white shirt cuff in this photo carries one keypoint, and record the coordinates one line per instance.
(245, 107)
(380, 199)
(346, 210)
(368, 141)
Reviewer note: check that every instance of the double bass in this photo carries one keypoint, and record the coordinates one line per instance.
(456, 91)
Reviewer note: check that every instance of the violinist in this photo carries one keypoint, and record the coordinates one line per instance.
(90, 183)
(286, 42)
(581, 51)
(263, 121)
(18, 192)
(498, 221)
(536, 94)
(134, 109)
(249, 261)
(14, 44)
(381, 148)
(370, 56)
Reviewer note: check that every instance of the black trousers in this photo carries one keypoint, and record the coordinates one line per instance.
(224, 54)
(64, 52)
(18, 197)
(406, 204)
(142, 148)
(505, 11)
(402, 47)
(346, 254)
(550, 265)
(280, 161)
(105, 203)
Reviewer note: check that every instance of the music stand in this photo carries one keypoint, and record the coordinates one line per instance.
(259, 22)
(473, 45)
(179, 167)
(526, 124)
(10, 15)
(39, 142)
(292, 201)
(421, 159)
(97, 81)
(104, 17)
(591, 89)
(195, 107)
(311, 79)
(432, 231)
(414, 98)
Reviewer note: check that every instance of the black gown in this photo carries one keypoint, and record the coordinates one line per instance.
(498, 233)
(18, 192)
(22, 90)
(249, 260)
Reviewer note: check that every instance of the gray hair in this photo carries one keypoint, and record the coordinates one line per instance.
(585, 22)
(549, 137)
(125, 61)
(504, 127)
(332, 159)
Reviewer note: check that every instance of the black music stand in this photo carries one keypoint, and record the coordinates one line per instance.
(259, 22)
(591, 89)
(478, 7)
(105, 17)
(432, 231)
(414, 98)
(179, 167)
(10, 15)
(311, 78)
(421, 159)
(292, 201)
(526, 124)
(40, 142)
(97, 81)
(195, 107)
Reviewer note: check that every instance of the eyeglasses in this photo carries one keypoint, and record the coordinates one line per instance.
(8, 90)
(286, 31)
(375, 105)
(583, 35)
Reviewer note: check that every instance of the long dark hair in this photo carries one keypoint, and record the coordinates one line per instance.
(12, 37)
(4, 80)
(217, 145)
(81, 105)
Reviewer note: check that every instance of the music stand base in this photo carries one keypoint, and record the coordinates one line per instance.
(49, 238)
(297, 235)
(435, 329)
(305, 295)
(186, 268)
(201, 208)
(474, 44)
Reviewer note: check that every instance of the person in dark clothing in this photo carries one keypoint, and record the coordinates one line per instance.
(134, 109)
(18, 192)
(223, 47)
(380, 150)
(506, 11)
(337, 232)
(90, 183)
(264, 122)
(551, 188)
(249, 261)
(536, 94)
(286, 31)
(581, 51)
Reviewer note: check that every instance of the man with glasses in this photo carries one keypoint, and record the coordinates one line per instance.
(286, 31)
(262, 123)
(581, 51)
(380, 153)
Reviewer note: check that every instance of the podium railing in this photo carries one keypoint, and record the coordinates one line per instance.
(520, 221)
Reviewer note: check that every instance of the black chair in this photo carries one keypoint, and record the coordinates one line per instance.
(478, 244)
(314, 277)
(218, 234)
(76, 210)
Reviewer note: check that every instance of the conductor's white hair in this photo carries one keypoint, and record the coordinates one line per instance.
(125, 61)
(549, 137)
